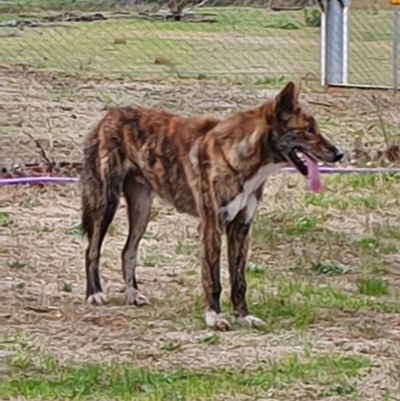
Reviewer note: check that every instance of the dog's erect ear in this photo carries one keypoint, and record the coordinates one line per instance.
(287, 98)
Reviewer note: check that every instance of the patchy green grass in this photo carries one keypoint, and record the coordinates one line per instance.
(296, 303)
(6, 219)
(346, 199)
(33, 376)
(97, 49)
(373, 287)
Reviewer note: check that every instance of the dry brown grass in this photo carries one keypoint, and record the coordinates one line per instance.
(370, 4)
(353, 226)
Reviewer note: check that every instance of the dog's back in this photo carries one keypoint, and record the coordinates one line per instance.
(147, 142)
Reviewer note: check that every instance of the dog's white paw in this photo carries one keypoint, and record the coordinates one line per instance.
(98, 298)
(250, 321)
(135, 297)
(217, 321)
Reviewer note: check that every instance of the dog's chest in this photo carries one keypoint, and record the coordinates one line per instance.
(247, 198)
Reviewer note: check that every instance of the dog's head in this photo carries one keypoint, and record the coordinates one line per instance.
(295, 137)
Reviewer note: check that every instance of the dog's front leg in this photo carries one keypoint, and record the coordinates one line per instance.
(237, 233)
(210, 237)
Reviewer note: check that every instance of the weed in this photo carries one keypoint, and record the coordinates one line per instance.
(373, 287)
(171, 346)
(213, 339)
(329, 270)
(17, 264)
(6, 219)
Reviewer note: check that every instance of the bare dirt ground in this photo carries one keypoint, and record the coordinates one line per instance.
(41, 250)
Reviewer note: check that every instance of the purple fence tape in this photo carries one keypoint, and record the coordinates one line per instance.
(37, 180)
(323, 170)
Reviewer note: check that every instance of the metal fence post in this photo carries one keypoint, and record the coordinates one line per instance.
(322, 50)
(334, 44)
(395, 18)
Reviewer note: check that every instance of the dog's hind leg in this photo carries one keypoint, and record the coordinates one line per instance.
(98, 221)
(139, 199)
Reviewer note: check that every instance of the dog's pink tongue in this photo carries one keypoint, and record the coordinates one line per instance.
(313, 178)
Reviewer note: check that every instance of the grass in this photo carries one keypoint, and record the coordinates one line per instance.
(300, 304)
(144, 42)
(33, 376)
(373, 287)
(249, 44)
(5, 219)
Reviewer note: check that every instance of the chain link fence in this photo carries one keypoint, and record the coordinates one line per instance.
(370, 43)
(264, 41)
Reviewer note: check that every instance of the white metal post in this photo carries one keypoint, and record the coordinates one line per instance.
(334, 44)
(395, 55)
(322, 50)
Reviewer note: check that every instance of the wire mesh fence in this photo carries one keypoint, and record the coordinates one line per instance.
(265, 41)
(216, 38)
(370, 43)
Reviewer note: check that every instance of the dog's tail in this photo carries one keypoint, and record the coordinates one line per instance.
(102, 173)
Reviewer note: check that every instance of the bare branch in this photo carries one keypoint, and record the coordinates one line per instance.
(43, 153)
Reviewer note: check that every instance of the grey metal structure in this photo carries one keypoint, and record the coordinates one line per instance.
(334, 49)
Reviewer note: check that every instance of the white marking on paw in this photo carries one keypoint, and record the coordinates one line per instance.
(217, 321)
(99, 298)
(135, 297)
(246, 198)
(250, 321)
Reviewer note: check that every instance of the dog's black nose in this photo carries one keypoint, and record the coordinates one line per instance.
(338, 156)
